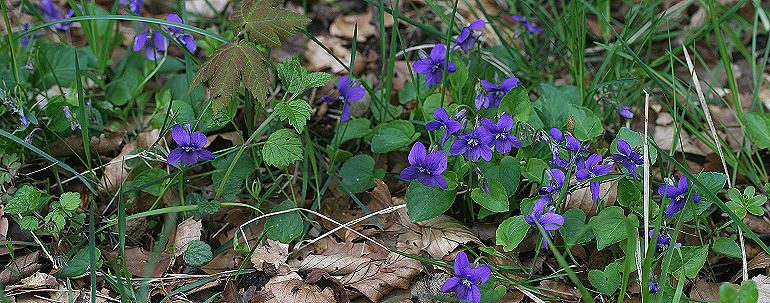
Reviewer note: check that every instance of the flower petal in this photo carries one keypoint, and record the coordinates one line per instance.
(438, 52)
(505, 123)
(159, 41)
(582, 175)
(555, 134)
(480, 274)
(180, 135)
(174, 18)
(452, 284)
(537, 210)
(425, 179)
(440, 181)
(459, 147)
(205, 154)
(509, 84)
(355, 93)
(601, 170)
(594, 191)
(417, 155)
(450, 67)
(410, 173)
(423, 66)
(175, 156)
(139, 41)
(345, 112)
(462, 266)
(551, 221)
(342, 84)
(189, 158)
(433, 125)
(437, 161)
(189, 42)
(624, 148)
(488, 86)
(440, 114)
(475, 294)
(477, 24)
(682, 185)
(674, 208)
(198, 140)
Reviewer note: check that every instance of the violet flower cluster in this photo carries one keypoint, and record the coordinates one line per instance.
(426, 168)
(468, 279)
(12, 107)
(190, 146)
(478, 142)
(50, 13)
(629, 159)
(349, 92)
(590, 168)
(153, 43)
(134, 6)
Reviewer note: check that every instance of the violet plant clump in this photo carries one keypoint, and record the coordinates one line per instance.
(349, 92)
(627, 158)
(190, 146)
(590, 169)
(502, 141)
(467, 280)
(50, 13)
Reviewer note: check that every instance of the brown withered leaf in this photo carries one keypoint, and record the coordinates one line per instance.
(757, 224)
(271, 252)
(295, 291)
(25, 265)
(337, 264)
(136, 261)
(73, 145)
(705, 291)
(376, 279)
(345, 25)
(762, 260)
(324, 280)
(228, 260)
(35, 281)
(763, 284)
(560, 290)
(443, 234)
(116, 173)
(581, 198)
(319, 59)
(187, 231)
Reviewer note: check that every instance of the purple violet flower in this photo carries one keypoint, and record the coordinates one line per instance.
(426, 168)
(629, 159)
(134, 6)
(468, 37)
(663, 242)
(442, 119)
(154, 43)
(532, 29)
(556, 178)
(31, 135)
(24, 41)
(625, 111)
(433, 66)
(190, 146)
(50, 13)
(349, 92)
(468, 279)
(679, 196)
(593, 169)
(502, 141)
(473, 144)
(494, 93)
(74, 124)
(653, 287)
(543, 214)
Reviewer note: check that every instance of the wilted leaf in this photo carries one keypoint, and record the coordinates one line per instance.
(443, 234)
(187, 231)
(376, 279)
(295, 290)
(232, 64)
(337, 264)
(271, 252)
(25, 265)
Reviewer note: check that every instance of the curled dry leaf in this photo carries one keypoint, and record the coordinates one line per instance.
(345, 26)
(116, 173)
(187, 231)
(705, 291)
(319, 59)
(429, 283)
(762, 260)
(35, 281)
(324, 280)
(25, 265)
(228, 260)
(581, 197)
(271, 252)
(73, 145)
(763, 285)
(295, 290)
(757, 224)
(337, 264)
(443, 234)
(377, 278)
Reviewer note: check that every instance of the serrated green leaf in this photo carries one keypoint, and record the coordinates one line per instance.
(510, 232)
(55, 221)
(29, 223)
(198, 253)
(297, 112)
(26, 198)
(296, 78)
(317, 79)
(206, 207)
(282, 148)
(232, 64)
(70, 201)
(266, 22)
(286, 226)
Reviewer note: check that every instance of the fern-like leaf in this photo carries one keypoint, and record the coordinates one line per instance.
(232, 64)
(265, 21)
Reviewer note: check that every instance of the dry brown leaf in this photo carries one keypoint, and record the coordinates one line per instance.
(429, 283)
(104, 144)
(204, 7)
(345, 26)
(338, 264)
(560, 290)
(295, 290)
(136, 261)
(228, 260)
(271, 252)
(705, 291)
(581, 198)
(763, 285)
(233, 137)
(187, 231)
(116, 173)
(3, 229)
(25, 265)
(319, 59)
(757, 224)
(762, 260)
(376, 279)
(324, 280)
(443, 234)
(35, 281)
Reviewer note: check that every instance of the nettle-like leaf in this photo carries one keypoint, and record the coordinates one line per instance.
(265, 21)
(282, 148)
(232, 64)
(296, 111)
(296, 77)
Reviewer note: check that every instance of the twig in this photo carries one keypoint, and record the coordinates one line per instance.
(707, 113)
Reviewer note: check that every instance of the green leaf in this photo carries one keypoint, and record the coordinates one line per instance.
(392, 136)
(381, 108)
(358, 174)
(198, 253)
(25, 198)
(713, 181)
(55, 221)
(70, 200)
(296, 78)
(628, 192)
(507, 172)
(491, 295)
(587, 124)
(242, 170)
(690, 262)
(284, 227)
(29, 223)
(282, 148)
(609, 227)
(495, 201)
(317, 79)
(147, 177)
(728, 293)
(516, 102)
(59, 62)
(727, 247)
(236, 62)
(425, 203)
(575, 230)
(78, 265)
(266, 21)
(535, 170)
(553, 105)
(510, 232)
(748, 293)
(758, 125)
(607, 281)
(206, 207)
(297, 112)
(349, 130)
